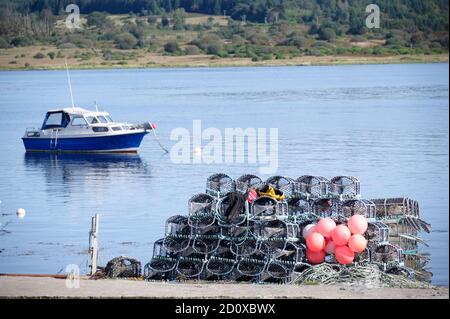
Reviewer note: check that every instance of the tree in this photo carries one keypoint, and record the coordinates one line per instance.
(164, 21)
(125, 41)
(327, 34)
(179, 19)
(171, 47)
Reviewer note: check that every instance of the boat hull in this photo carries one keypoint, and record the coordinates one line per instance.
(119, 143)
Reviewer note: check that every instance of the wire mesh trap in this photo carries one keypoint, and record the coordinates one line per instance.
(247, 181)
(201, 211)
(284, 184)
(311, 187)
(377, 233)
(190, 267)
(266, 208)
(123, 267)
(345, 187)
(358, 207)
(220, 184)
(231, 210)
(224, 237)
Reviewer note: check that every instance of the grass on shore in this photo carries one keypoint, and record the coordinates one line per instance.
(24, 58)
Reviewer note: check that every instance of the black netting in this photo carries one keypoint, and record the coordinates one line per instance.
(123, 267)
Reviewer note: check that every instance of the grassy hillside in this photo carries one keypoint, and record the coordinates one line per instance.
(179, 38)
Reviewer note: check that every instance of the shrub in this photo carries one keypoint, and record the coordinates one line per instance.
(67, 45)
(191, 50)
(125, 41)
(152, 19)
(21, 41)
(171, 47)
(39, 55)
(3, 43)
(51, 55)
(327, 34)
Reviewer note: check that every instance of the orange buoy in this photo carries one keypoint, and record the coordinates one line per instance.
(344, 255)
(325, 226)
(315, 257)
(315, 242)
(340, 235)
(357, 243)
(357, 224)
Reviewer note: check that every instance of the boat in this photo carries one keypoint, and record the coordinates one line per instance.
(78, 130)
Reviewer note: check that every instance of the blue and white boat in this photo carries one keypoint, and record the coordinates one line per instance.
(75, 129)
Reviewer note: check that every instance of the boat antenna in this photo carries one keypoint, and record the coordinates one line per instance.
(70, 84)
(96, 106)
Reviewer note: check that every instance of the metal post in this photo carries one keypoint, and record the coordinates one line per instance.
(93, 244)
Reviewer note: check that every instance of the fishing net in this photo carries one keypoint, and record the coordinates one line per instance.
(201, 211)
(346, 187)
(358, 207)
(123, 267)
(190, 267)
(266, 208)
(284, 184)
(247, 181)
(219, 185)
(313, 187)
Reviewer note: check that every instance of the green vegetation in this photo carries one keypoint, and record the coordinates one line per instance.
(260, 30)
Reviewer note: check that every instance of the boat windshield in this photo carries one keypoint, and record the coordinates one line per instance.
(109, 118)
(102, 119)
(91, 119)
(55, 120)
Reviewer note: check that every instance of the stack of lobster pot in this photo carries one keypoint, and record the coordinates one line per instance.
(261, 240)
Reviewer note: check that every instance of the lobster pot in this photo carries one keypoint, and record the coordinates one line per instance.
(253, 265)
(176, 244)
(160, 269)
(177, 225)
(403, 225)
(313, 187)
(277, 272)
(267, 208)
(245, 182)
(326, 207)
(205, 245)
(418, 263)
(284, 184)
(245, 248)
(358, 207)
(377, 233)
(236, 217)
(387, 255)
(396, 207)
(201, 211)
(292, 253)
(345, 187)
(190, 267)
(219, 185)
(160, 250)
(207, 231)
(363, 257)
(298, 208)
(123, 267)
(276, 230)
(236, 234)
(222, 268)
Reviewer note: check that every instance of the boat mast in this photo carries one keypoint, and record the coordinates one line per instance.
(70, 84)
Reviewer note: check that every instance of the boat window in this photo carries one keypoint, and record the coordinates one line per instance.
(100, 129)
(109, 118)
(116, 128)
(91, 119)
(102, 119)
(55, 119)
(79, 121)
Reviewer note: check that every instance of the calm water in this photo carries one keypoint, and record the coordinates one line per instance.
(386, 124)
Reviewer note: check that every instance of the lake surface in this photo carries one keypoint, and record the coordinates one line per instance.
(385, 124)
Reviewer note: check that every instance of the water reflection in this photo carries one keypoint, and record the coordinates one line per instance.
(68, 168)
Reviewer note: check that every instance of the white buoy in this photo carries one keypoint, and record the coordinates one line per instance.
(21, 213)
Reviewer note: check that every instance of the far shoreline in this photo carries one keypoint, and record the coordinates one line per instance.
(205, 61)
